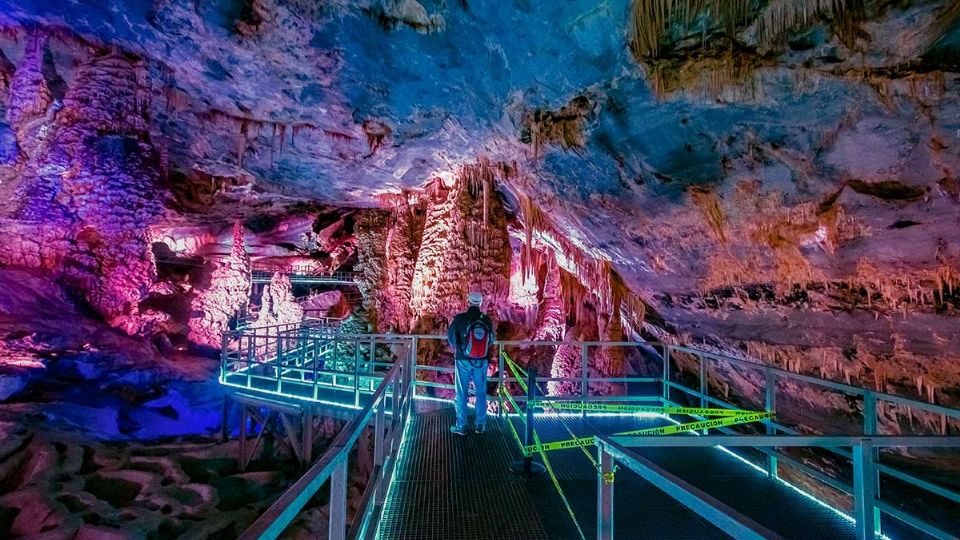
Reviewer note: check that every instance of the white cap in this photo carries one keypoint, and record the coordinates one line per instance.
(474, 299)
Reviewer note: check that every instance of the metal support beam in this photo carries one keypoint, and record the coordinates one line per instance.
(584, 375)
(307, 430)
(605, 495)
(870, 419)
(864, 490)
(770, 404)
(338, 501)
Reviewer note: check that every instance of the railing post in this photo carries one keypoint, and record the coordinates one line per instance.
(251, 354)
(530, 409)
(870, 428)
(666, 373)
(584, 375)
(604, 494)
(316, 364)
(356, 372)
(243, 437)
(338, 502)
(378, 437)
(703, 384)
(864, 494)
(224, 357)
(770, 403)
(527, 467)
(378, 442)
(410, 388)
(395, 387)
(502, 383)
(279, 355)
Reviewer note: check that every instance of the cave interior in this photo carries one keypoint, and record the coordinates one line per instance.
(766, 181)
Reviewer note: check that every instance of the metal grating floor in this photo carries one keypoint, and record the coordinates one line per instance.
(452, 487)
(455, 487)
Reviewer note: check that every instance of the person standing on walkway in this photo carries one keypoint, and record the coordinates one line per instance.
(471, 335)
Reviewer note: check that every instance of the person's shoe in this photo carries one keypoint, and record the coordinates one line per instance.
(456, 430)
(480, 429)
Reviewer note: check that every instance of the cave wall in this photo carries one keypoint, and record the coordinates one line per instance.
(763, 178)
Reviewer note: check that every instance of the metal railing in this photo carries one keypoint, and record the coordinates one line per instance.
(303, 274)
(393, 398)
(320, 361)
(613, 449)
(771, 378)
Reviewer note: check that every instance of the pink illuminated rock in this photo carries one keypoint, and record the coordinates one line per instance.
(277, 303)
(403, 242)
(228, 292)
(29, 97)
(551, 319)
(465, 246)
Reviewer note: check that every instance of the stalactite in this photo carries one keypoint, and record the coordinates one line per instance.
(242, 142)
(29, 94)
(551, 317)
(273, 143)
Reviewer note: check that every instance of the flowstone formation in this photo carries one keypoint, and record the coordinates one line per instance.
(88, 177)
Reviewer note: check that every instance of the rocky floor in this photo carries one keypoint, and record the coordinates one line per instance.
(105, 436)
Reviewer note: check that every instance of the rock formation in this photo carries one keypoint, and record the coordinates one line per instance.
(225, 297)
(277, 303)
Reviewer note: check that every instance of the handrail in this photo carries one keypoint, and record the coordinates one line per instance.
(819, 381)
(719, 514)
(333, 463)
(295, 342)
(865, 480)
(827, 383)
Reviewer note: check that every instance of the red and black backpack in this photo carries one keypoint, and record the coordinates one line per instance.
(476, 339)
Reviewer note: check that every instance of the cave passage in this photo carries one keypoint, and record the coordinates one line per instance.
(479, 269)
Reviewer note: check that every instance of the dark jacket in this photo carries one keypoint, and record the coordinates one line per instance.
(458, 328)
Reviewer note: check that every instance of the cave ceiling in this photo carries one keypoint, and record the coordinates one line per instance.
(719, 157)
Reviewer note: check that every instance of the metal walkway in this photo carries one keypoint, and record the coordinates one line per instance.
(430, 484)
(305, 275)
(452, 487)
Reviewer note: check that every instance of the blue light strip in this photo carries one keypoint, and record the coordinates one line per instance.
(809, 496)
(348, 405)
(387, 500)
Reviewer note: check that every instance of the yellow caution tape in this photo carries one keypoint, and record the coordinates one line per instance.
(703, 424)
(556, 485)
(516, 408)
(665, 430)
(514, 369)
(517, 367)
(608, 477)
(610, 407)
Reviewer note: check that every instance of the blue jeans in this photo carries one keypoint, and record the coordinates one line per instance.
(465, 374)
